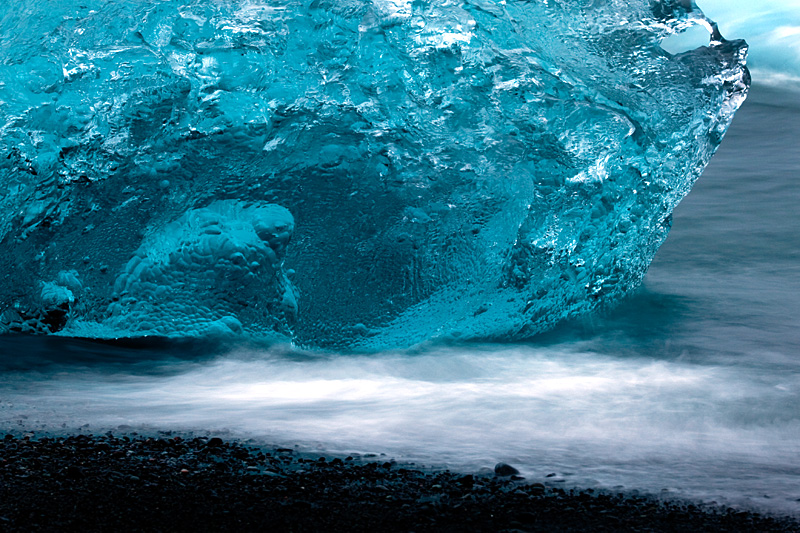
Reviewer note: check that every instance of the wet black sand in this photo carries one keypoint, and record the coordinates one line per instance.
(108, 483)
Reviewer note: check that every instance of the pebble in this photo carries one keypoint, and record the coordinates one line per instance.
(136, 494)
(505, 470)
(74, 472)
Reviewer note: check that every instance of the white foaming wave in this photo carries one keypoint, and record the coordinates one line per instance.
(709, 431)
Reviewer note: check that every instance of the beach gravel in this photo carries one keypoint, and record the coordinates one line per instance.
(137, 483)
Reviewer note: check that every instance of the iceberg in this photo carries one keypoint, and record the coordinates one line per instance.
(344, 174)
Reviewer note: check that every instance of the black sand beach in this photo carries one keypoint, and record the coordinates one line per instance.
(170, 483)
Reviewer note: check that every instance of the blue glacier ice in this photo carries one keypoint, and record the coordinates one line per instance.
(344, 173)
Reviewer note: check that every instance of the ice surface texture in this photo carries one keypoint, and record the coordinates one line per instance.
(346, 174)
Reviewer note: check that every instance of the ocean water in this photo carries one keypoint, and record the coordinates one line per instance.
(690, 388)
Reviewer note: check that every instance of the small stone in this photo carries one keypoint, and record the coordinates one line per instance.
(214, 442)
(467, 480)
(74, 472)
(504, 470)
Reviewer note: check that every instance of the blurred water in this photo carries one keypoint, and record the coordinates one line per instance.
(692, 385)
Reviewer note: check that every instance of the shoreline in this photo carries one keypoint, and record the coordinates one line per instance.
(105, 482)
